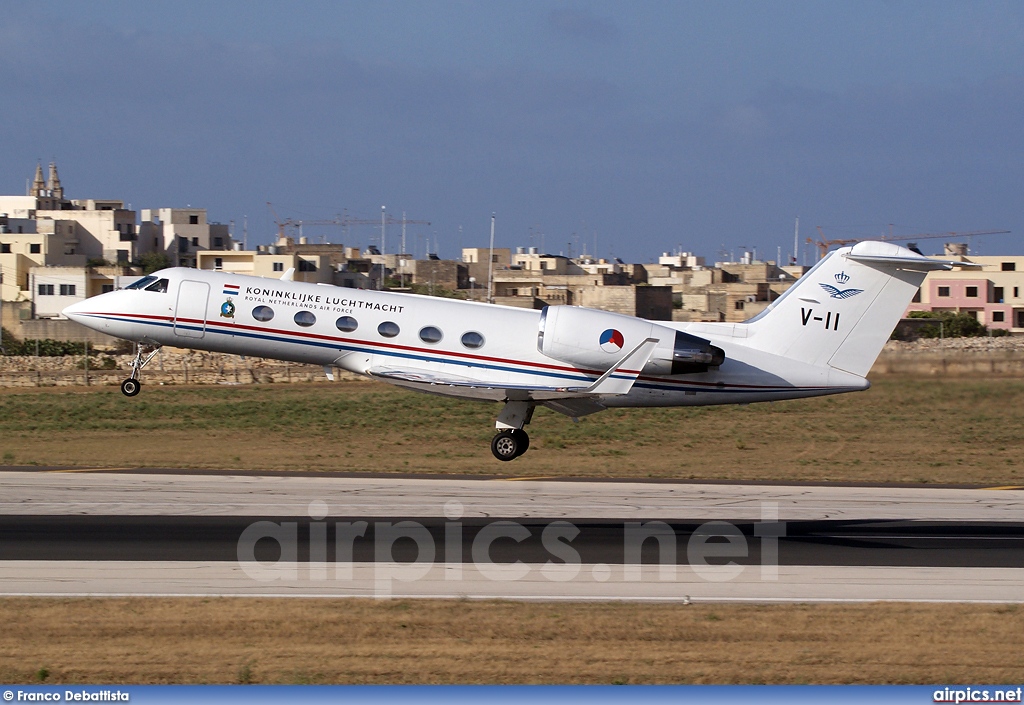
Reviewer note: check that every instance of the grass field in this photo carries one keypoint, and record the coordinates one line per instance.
(361, 641)
(901, 430)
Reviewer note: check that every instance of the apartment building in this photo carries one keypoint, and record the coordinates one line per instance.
(993, 293)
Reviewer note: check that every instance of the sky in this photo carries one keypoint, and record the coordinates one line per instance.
(619, 129)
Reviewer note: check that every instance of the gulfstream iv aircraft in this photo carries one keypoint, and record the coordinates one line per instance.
(820, 337)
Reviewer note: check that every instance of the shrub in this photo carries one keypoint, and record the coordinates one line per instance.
(954, 325)
(46, 347)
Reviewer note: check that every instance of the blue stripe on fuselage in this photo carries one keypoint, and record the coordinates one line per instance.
(677, 386)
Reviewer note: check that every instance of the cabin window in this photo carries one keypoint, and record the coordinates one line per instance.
(431, 334)
(158, 286)
(141, 283)
(472, 340)
(263, 313)
(305, 319)
(346, 324)
(388, 329)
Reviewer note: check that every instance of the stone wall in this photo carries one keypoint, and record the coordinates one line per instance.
(168, 367)
(952, 357)
(59, 329)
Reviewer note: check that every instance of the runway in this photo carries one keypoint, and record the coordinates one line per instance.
(151, 533)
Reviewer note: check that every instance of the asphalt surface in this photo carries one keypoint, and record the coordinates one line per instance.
(217, 538)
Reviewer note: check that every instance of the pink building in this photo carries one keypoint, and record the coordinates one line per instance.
(994, 294)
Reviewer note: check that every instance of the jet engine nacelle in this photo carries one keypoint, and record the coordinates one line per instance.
(596, 340)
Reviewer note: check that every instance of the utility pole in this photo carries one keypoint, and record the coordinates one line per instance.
(2, 351)
(796, 240)
(490, 265)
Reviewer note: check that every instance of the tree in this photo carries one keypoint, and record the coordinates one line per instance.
(152, 261)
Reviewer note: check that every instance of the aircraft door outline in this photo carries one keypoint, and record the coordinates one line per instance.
(190, 306)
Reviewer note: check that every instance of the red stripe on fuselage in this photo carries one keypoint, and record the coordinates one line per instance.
(430, 351)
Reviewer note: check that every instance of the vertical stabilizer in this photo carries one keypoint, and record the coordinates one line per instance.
(843, 310)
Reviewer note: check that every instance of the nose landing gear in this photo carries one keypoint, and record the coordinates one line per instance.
(143, 354)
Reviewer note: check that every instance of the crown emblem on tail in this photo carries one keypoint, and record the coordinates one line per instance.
(842, 278)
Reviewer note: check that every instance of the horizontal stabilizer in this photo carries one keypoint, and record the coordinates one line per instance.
(916, 264)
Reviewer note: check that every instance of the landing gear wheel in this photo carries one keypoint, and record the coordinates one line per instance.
(130, 387)
(505, 446)
(509, 445)
(524, 441)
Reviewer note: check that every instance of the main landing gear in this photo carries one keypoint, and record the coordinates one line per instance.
(510, 444)
(143, 354)
(512, 441)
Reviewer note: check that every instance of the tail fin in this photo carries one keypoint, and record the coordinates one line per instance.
(843, 310)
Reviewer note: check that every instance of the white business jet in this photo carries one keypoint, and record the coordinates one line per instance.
(820, 337)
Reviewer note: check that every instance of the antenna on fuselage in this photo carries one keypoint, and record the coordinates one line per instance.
(288, 276)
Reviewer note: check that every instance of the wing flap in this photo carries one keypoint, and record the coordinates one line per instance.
(616, 381)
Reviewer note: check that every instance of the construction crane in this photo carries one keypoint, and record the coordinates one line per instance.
(283, 225)
(824, 243)
(347, 221)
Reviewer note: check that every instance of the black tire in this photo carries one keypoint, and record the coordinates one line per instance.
(506, 446)
(524, 441)
(130, 387)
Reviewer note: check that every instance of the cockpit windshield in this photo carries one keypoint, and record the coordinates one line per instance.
(141, 283)
(150, 283)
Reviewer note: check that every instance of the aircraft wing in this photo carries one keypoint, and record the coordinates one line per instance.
(617, 380)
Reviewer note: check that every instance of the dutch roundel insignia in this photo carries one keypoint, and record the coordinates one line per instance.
(612, 341)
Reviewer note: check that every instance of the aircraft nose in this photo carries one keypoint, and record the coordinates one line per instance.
(75, 310)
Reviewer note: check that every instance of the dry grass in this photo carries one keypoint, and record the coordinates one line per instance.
(363, 641)
(902, 430)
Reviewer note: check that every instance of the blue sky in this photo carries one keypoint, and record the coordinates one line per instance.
(640, 126)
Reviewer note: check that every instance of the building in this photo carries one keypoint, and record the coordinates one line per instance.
(22, 247)
(99, 230)
(53, 288)
(994, 294)
(315, 269)
(181, 233)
